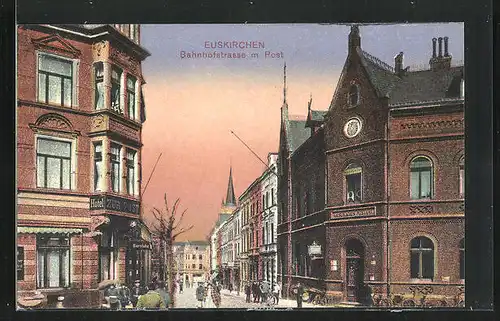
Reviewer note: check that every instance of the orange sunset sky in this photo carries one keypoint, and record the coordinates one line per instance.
(192, 104)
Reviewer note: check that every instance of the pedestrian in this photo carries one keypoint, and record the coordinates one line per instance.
(151, 300)
(137, 290)
(264, 291)
(276, 292)
(200, 294)
(111, 294)
(247, 292)
(299, 291)
(216, 298)
(180, 287)
(254, 292)
(230, 288)
(164, 293)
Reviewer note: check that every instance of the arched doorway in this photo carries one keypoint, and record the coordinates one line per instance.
(355, 258)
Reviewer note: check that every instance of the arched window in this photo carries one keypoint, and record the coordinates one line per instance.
(461, 174)
(353, 183)
(422, 258)
(353, 95)
(421, 178)
(462, 259)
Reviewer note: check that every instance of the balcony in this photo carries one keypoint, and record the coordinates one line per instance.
(109, 121)
(268, 248)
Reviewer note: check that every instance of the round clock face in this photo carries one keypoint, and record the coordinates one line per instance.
(352, 127)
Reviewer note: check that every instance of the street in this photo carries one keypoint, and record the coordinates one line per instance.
(187, 300)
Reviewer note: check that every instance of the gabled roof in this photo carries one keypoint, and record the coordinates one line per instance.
(298, 133)
(318, 115)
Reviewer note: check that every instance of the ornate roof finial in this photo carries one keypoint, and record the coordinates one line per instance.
(310, 101)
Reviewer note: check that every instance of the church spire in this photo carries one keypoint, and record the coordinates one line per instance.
(284, 84)
(230, 198)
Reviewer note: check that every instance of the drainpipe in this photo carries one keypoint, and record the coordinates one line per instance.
(388, 238)
(81, 248)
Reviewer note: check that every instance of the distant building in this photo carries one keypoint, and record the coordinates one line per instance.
(191, 261)
(80, 111)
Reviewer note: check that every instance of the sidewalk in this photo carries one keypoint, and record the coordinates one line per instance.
(283, 303)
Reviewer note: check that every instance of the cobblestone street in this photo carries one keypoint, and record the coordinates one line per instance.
(187, 300)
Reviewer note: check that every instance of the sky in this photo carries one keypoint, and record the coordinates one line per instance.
(192, 104)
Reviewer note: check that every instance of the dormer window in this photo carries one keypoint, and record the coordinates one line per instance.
(353, 95)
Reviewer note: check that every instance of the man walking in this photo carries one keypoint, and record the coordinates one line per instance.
(247, 292)
(200, 294)
(162, 291)
(276, 292)
(137, 290)
(299, 289)
(151, 300)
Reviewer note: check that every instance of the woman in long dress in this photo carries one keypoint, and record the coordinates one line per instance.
(209, 303)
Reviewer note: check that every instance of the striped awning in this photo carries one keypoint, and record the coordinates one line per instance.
(49, 230)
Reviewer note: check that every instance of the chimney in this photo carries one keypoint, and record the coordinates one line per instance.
(398, 63)
(440, 61)
(354, 39)
(440, 40)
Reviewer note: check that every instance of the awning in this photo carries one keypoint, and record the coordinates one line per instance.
(50, 230)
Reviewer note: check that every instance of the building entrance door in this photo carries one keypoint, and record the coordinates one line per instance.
(354, 270)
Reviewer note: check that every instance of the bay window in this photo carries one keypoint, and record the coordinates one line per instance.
(53, 261)
(116, 74)
(98, 166)
(115, 167)
(55, 80)
(131, 175)
(131, 81)
(99, 86)
(53, 163)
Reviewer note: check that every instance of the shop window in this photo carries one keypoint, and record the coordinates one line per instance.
(462, 177)
(353, 95)
(98, 166)
(131, 176)
(353, 183)
(422, 258)
(421, 178)
(108, 255)
(462, 259)
(55, 80)
(116, 75)
(115, 167)
(53, 261)
(53, 163)
(131, 95)
(99, 85)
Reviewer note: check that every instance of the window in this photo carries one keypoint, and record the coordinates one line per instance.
(115, 167)
(420, 178)
(193, 257)
(53, 261)
(99, 85)
(20, 263)
(200, 257)
(55, 80)
(116, 74)
(462, 89)
(272, 232)
(462, 177)
(422, 258)
(353, 95)
(263, 202)
(353, 183)
(98, 166)
(267, 199)
(193, 266)
(53, 163)
(272, 196)
(131, 172)
(107, 257)
(462, 259)
(200, 266)
(131, 96)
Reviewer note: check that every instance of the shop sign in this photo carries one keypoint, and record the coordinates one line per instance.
(314, 249)
(20, 263)
(114, 203)
(140, 246)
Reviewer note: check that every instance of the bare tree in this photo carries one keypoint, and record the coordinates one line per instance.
(167, 227)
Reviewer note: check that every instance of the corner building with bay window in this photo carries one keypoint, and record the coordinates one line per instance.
(393, 219)
(80, 111)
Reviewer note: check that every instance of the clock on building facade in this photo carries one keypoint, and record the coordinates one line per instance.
(352, 127)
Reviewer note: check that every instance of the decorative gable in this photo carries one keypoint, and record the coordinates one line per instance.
(56, 44)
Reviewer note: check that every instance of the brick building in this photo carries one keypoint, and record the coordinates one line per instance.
(393, 154)
(79, 117)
